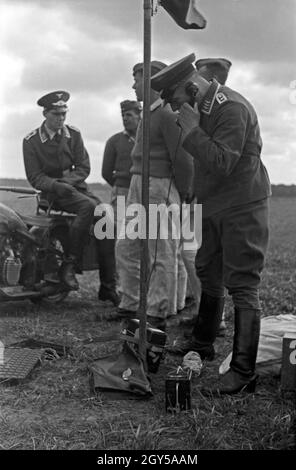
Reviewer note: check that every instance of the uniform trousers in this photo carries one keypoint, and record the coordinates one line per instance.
(163, 262)
(234, 245)
(83, 204)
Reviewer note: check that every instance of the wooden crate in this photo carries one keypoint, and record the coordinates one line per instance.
(288, 374)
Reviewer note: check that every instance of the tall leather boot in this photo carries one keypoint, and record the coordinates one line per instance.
(68, 271)
(205, 328)
(70, 264)
(241, 375)
(107, 267)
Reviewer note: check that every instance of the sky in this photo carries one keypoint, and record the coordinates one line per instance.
(88, 47)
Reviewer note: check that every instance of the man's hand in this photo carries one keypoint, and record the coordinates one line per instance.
(62, 189)
(188, 118)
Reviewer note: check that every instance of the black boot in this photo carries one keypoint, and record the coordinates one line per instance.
(107, 267)
(68, 273)
(241, 375)
(205, 328)
(110, 294)
(77, 241)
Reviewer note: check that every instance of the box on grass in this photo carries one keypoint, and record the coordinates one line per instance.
(288, 371)
(155, 342)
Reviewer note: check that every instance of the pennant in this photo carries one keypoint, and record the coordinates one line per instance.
(185, 13)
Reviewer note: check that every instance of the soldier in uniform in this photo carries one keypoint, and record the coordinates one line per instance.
(217, 68)
(117, 154)
(221, 132)
(208, 68)
(57, 163)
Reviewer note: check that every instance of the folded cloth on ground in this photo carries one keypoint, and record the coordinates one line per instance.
(269, 357)
(122, 373)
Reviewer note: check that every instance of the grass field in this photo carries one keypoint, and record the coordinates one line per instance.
(53, 408)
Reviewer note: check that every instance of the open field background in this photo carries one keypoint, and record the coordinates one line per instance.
(54, 409)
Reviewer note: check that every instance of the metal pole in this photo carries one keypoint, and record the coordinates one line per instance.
(144, 266)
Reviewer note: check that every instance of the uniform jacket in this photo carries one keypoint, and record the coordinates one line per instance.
(117, 159)
(226, 148)
(47, 161)
(167, 157)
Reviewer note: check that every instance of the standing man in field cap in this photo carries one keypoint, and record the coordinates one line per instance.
(221, 132)
(169, 181)
(117, 154)
(217, 68)
(57, 163)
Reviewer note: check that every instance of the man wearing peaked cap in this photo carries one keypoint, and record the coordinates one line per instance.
(214, 68)
(169, 180)
(208, 68)
(221, 132)
(166, 80)
(155, 65)
(57, 163)
(117, 154)
(56, 99)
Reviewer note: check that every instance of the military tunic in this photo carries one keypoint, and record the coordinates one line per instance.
(226, 148)
(62, 158)
(117, 159)
(65, 159)
(232, 185)
(116, 169)
(47, 160)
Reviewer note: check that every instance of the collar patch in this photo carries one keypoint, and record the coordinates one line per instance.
(43, 134)
(156, 104)
(129, 137)
(221, 98)
(67, 132)
(209, 99)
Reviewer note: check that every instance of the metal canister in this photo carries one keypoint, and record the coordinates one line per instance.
(178, 390)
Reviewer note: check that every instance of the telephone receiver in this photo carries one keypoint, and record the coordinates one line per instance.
(191, 89)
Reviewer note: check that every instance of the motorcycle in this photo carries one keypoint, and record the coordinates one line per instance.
(33, 248)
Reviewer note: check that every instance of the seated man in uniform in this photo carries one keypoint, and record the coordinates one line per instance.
(57, 163)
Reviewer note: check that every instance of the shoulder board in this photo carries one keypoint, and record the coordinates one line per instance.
(28, 137)
(73, 128)
(221, 98)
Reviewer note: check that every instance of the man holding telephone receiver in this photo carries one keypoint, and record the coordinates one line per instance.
(221, 132)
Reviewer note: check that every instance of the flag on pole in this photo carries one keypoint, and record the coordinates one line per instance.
(185, 13)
